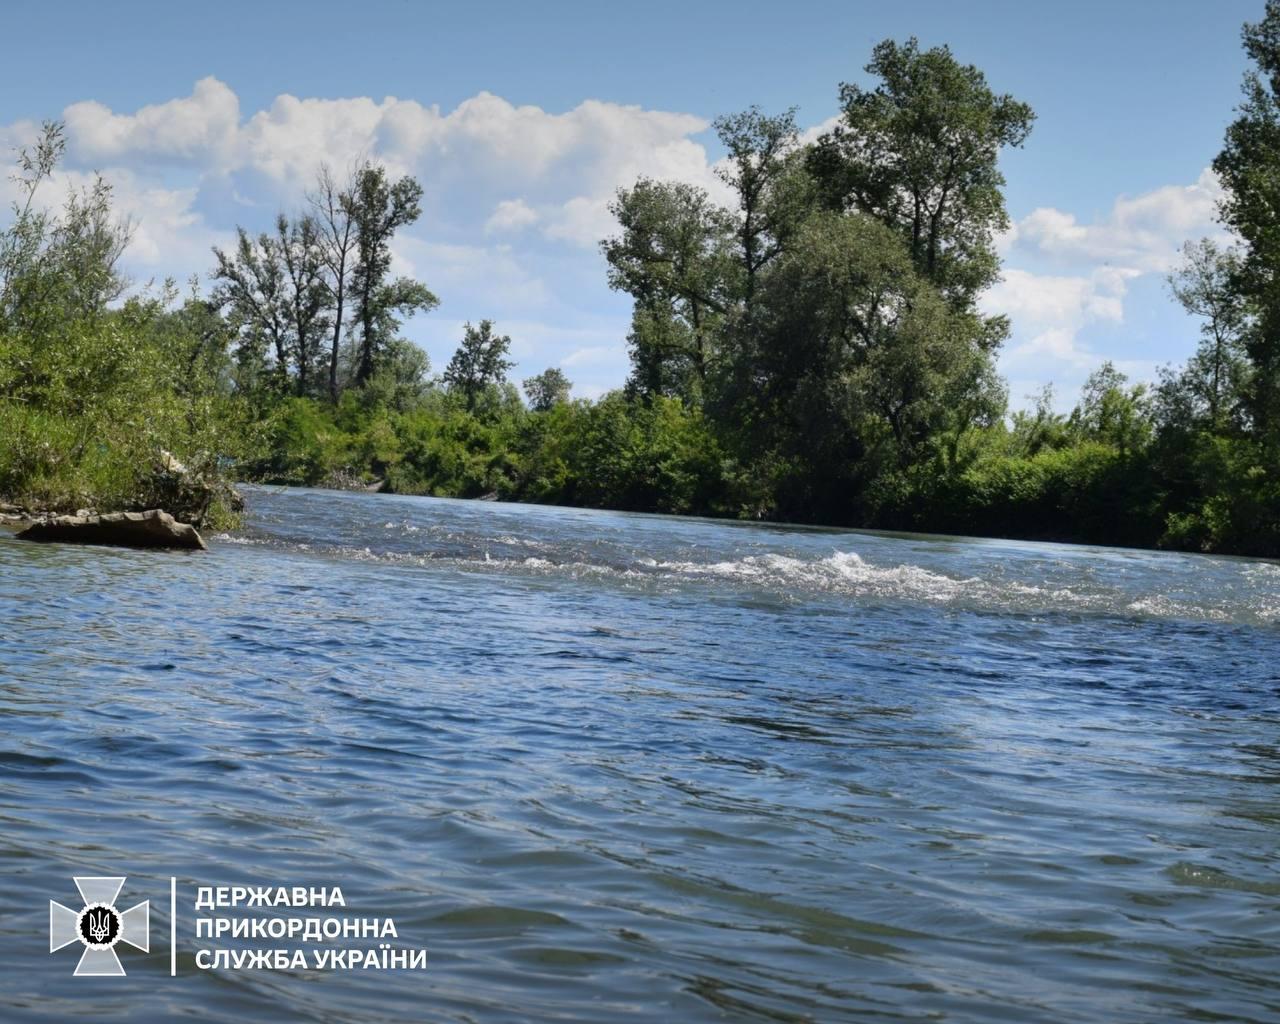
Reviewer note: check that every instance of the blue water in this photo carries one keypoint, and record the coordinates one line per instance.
(608, 767)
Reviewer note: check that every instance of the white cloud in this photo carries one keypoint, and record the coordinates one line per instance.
(811, 135)
(1043, 300)
(1143, 233)
(583, 221)
(489, 279)
(169, 236)
(510, 215)
(1050, 311)
(485, 144)
(1096, 264)
(567, 164)
(199, 129)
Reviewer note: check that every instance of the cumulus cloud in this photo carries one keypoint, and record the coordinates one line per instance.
(1093, 266)
(489, 278)
(200, 129)
(567, 164)
(539, 182)
(1142, 232)
(1049, 312)
(1040, 300)
(814, 133)
(170, 238)
(510, 215)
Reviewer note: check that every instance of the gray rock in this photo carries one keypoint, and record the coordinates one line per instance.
(151, 529)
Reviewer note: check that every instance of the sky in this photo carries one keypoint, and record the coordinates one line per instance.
(521, 120)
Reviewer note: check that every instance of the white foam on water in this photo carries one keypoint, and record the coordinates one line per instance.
(848, 574)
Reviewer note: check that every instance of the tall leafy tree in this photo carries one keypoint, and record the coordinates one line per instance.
(1249, 169)
(479, 363)
(758, 146)
(919, 152)
(858, 363)
(1113, 411)
(672, 256)
(378, 207)
(307, 297)
(58, 266)
(547, 389)
(1215, 380)
(276, 295)
(251, 285)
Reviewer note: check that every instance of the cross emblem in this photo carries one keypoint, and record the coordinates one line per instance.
(99, 926)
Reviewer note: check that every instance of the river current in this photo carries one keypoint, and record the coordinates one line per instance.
(604, 766)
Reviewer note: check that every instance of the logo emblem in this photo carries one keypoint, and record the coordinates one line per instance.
(99, 926)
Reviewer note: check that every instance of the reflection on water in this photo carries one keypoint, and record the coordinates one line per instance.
(607, 766)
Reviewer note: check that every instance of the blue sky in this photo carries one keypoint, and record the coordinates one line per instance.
(521, 119)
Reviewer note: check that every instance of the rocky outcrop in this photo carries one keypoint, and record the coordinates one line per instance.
(152, 529)
(13, 515)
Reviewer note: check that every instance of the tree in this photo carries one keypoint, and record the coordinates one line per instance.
(331, 204)
(758, 146)
(856, 353)
(1216, 377)
(252, 286)
(547, 389)
(919, 153)
(307, 296)
(1112, 412)
(401, 379)
(661, 348)
(275, 291)
(57, 267)
(672, 258)
(378, 207)
(1250, 206)
(479, 363)
(1040, 429)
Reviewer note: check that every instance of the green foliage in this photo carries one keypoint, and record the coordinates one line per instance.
(547, 389)
(918, 152)
(1247, 168)
(1235, 505)
(674, 257)
(479, 364)
(99, 400)
(813, 350)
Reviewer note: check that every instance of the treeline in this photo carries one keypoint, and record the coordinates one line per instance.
(813, 350)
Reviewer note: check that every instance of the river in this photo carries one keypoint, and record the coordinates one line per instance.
(605, 766)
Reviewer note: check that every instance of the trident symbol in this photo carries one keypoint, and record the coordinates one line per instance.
(99, 925)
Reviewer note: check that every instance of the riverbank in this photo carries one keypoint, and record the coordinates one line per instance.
(1029, 478)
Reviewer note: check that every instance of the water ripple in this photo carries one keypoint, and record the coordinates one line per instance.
(623, 767)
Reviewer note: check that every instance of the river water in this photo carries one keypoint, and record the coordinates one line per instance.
(605, 767)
